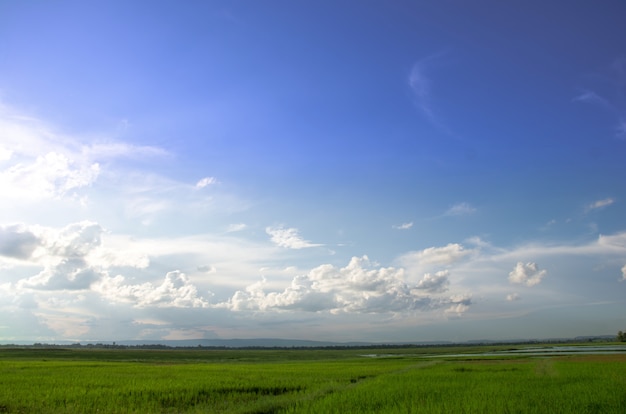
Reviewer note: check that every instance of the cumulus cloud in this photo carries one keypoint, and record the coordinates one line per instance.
(176, 291)
(460, 209)
(624, 272)
(206, 181)
(459, 304)
(64, 256)
(68, 274)
(403, 226)
(511, 297)
(70, 258)
(288, 238)
(435, 283)
(360, 287)
(74, 240)
(600, 204)
(526, 274)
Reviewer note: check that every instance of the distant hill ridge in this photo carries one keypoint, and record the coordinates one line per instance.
(295, 343)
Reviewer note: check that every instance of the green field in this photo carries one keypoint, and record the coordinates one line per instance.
(306, 381)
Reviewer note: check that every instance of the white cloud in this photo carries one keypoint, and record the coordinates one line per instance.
(600, 204)
(176, 291)
(115, 149)
(38, 162)
(403, 226)
(25, 136)
(445, 255)
(460, 209)
(435, 283)
(209, 269)
(591, 97)
(478, 242)
(70, 258)
(63, 254)
(624, 272)
(206, 181)
(83, 260)
(421, 86)
(236, 227)
(357, 288)
(5, 154)
(459, 304)
(526, 274)
(52, 175)
(612, 98)
(68, 274)
(511, 297)
(614, 244)
(289, 238)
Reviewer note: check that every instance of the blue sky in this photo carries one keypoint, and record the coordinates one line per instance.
(346, 170)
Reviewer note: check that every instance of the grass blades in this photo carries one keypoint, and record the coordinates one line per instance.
(125, 381)
(547, 385)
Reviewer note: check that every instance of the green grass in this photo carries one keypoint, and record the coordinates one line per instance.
(304, 381)
(547, 385)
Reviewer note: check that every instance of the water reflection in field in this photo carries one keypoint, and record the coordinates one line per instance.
(549, 351)
(530, 351)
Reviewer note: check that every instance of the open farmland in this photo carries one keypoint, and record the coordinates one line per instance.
(309, 381)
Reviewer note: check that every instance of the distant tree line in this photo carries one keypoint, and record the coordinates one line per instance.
(621, 337)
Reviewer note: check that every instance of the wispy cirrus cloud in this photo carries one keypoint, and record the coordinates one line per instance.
(39, 162)
(421, 86)
(445, 255)
(206, 181)
(460, 209)
(599, 204)
(53, 175)
(403, 226)
(236, 227)
(612, 97)
(289, 238)
(593, 98)
(116, 149)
